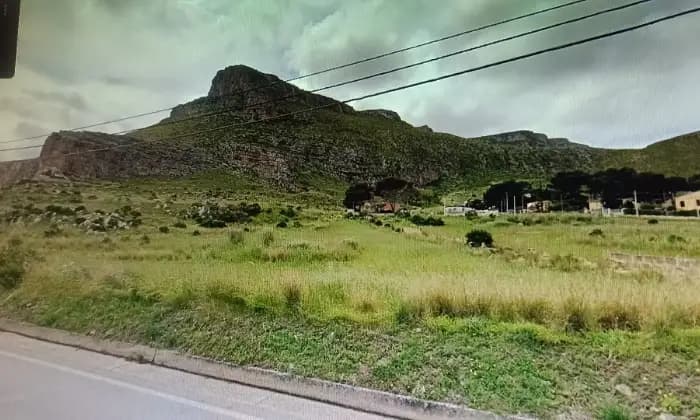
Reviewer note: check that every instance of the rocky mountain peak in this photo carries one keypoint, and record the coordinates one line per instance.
(254, 94)
(240, 78)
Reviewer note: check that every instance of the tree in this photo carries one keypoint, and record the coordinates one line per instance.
(357, 195)
(497, 192)
(395, 191)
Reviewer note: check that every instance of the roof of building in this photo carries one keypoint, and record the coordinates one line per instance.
(691, 193)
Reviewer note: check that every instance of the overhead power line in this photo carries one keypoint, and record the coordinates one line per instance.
(382, 73)
(327, 70)
(405, 67)
(415, 84)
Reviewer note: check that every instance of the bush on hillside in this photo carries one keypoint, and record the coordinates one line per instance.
(478, 238)
(13, 260)
(213, 215)
(419, 220)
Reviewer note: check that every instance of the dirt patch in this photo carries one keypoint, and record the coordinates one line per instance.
(670, 267)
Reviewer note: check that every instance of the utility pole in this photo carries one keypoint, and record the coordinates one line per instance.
(636, 205)
(507, 202)
(515, 205)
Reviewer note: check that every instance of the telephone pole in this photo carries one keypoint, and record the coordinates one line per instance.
(636, 205)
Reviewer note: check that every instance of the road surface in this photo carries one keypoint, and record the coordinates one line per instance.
(40, 380)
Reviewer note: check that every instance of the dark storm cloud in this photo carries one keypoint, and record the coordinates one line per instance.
(129, 56)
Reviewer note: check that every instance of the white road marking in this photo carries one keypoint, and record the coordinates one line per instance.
(174, 398)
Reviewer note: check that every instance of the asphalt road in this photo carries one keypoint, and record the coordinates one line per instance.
(40, 380)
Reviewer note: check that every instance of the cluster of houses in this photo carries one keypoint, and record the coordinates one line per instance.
(687, 202)
(465, 209)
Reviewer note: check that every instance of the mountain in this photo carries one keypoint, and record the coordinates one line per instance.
(335, 141)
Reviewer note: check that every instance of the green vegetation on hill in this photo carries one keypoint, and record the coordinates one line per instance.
(674, 157)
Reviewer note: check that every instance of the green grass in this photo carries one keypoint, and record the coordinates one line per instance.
(542, 324)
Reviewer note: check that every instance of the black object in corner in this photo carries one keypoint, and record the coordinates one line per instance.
(9, 28)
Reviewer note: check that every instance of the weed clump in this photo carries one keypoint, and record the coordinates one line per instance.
(164, 229)
(676, 239)
(292, 296)
(180, 225)
(13, 265)
(616, 317)
(614, 412)
(577, 318)
(408, 313)
(653, 222)
(596, 233)
(268, 238)
(236, 237)
(478, 238)
(196, 233)
(566, 263)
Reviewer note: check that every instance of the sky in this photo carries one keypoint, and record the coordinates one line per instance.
(84, 61)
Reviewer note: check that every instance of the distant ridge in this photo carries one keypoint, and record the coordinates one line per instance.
(337, 142)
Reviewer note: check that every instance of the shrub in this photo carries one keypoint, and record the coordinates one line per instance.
(441, 304)
(675, 239)
(653, 222)
(671, 404)
(292, 296)
(164, 229)
(289, 212)
(566, 263)
(268, 238)
(212, 215)
(196, 233)
(212, 223)
(408, 313)
(615, 412)
(598, 233)
(236, 237)
(577, 320)
(145, 239)
(419, 220)
(352, 244)
(282, 224)
(180, 225)
(13, 261)
(52, 231)
(619, 318)
(477, 238)
(62, 211)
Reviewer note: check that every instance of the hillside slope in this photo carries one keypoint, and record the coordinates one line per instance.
(335, 142)
(677, 156)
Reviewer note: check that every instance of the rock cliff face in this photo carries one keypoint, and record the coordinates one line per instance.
(335, 142)
(18, 170)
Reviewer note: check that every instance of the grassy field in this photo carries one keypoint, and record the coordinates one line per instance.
(542, 324)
